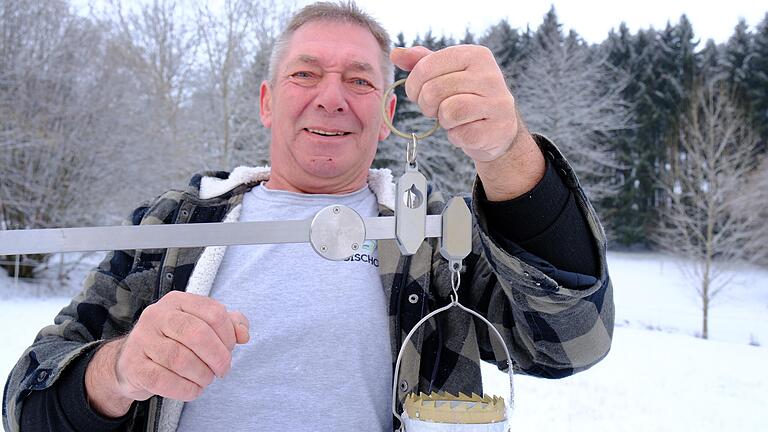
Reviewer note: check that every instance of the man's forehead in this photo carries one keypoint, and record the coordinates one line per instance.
(307, 59)
(334, 44)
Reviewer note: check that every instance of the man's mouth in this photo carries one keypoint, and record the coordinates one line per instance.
(325, 132)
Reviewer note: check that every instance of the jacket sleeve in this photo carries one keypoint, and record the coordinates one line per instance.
(555, 322)
(113, 293)
(64, 406)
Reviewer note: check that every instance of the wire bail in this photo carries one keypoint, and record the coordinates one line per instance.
(455, 282)
(410, 152)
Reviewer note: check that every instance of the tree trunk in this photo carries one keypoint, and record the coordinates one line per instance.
(705, 297)
(705, 319)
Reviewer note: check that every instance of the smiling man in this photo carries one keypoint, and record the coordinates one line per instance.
(273, 337)
(322, 104)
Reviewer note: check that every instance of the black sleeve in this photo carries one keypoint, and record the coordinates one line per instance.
(547, 223)
(64, 406)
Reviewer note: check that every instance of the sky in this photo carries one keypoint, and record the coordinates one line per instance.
(592, 19)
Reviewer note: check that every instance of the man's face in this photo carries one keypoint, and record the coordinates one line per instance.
(324, 108)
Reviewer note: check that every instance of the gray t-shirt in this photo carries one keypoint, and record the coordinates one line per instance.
(319, 356)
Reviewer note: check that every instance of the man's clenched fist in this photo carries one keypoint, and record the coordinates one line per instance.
(175, 350)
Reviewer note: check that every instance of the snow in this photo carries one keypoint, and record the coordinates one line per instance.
(653, 292)
(650, 381)
(657, 377)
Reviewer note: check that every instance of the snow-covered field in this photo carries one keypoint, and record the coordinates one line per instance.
(658, 376)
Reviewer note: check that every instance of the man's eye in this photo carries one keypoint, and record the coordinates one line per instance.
(362, 82)
(301, 74)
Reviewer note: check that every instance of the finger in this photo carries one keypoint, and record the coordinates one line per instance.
(160, 381)
(199, 337)
(209, 310)
(436, 90)
(406, 58)
(461, 109)
(180, 360)
(443, 62)
(242, 327)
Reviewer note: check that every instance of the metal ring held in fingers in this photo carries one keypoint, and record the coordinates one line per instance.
(388, 122)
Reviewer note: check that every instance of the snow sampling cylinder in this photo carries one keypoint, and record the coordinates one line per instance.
(444, 412)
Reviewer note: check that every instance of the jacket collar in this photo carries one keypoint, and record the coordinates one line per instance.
(379, 181)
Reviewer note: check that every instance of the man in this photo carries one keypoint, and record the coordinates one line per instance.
(154, 329)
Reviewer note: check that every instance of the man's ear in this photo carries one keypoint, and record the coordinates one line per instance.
(384, 131)
(265, 104)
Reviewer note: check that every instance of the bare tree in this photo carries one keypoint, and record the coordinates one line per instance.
(43, 48)
(752, 205)
(568, 94)
(700, 220)
(235, 40)
(156, 47)
(101, 112)
(51, 107)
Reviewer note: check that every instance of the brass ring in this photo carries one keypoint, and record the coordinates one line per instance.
(388, 122)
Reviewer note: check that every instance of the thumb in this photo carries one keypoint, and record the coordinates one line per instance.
(242, 326)
(406, 58)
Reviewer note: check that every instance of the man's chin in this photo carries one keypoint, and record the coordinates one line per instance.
(327, 176)
(324, 167)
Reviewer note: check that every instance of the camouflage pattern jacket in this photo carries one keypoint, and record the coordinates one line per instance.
(555, 322)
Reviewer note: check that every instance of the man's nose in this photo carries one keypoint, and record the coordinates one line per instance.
(330, 95)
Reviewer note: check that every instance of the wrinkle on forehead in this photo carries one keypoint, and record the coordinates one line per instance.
(357, 66)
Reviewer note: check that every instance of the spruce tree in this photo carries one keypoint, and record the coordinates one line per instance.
(400, 74)
(506, 45)
(757, 80)
(712, 64)
(677, 70)
(738, 51)
(625, 213)
(469, 38)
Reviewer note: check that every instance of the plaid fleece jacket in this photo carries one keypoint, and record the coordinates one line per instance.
(555, 322)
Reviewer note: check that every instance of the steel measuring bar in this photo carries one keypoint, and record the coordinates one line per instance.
(31, 241)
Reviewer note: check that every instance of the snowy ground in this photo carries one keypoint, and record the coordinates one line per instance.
(658, 376)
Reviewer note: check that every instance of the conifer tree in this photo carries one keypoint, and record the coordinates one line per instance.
(469, 38)
(625, 213)
(506, 45)
(711, 66)
(757, 83)
(738, 51)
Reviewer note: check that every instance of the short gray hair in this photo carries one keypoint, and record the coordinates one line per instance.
(342, 12)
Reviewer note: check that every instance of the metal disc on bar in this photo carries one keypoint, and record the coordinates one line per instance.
(337, 232)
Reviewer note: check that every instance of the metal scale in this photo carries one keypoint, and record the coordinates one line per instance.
(335, 233)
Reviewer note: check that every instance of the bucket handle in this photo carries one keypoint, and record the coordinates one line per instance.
(454, 302)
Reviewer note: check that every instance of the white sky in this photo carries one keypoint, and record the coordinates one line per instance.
(592, 19)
